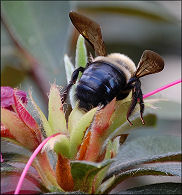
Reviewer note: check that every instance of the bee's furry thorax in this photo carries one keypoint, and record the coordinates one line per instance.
(121, 61)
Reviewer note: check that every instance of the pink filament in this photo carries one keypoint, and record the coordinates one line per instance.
(2, 159)
(45, 141)
(38, 149)
(162, 88)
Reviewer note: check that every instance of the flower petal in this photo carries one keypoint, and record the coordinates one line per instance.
(18, 129)
(7, 96)
(22, 95)
(5, 132)
(23, 112)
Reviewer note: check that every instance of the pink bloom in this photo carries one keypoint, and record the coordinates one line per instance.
(19, 125)
(7, 99)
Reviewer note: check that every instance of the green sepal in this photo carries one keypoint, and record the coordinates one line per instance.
(84, 172)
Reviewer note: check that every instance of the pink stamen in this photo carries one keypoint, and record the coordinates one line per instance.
(38, 149)
(2, 159)
(162, 88)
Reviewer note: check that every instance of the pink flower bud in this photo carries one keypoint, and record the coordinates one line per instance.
(7, 99)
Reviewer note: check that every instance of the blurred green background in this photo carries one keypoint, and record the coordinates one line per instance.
(35, 35)
(43, 29)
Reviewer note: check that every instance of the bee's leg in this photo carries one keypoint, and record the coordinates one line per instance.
(74, 77)
(132, 105)
(137, 96)
(141, 107)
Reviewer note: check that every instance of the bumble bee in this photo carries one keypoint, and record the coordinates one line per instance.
(108, 76)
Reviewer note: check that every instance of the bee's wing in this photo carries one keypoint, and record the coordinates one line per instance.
(90, 30)
(150, 63)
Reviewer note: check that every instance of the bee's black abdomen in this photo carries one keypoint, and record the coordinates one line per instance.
(99, 84)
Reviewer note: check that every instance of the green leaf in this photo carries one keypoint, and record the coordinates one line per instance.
(146, 149)
(105, 185)
(41, 28)
(10, 145)
(45, 124)
(159, 188)
(84, 172)
(81, 53)
(13, 157)
(75, 115)
(69, 70)
(7, 168)
(108, 150)
(80, 61)
(111, 151)
(101, 174)
(150, 120)
(68, 67)
(136, 148)
(41, 164)
(163, 108)
(119, 116)
(77, 133)
(12, 174)
(158, 170)
(12, 169)
(56, 118)
(60, 144)
(119, 123)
